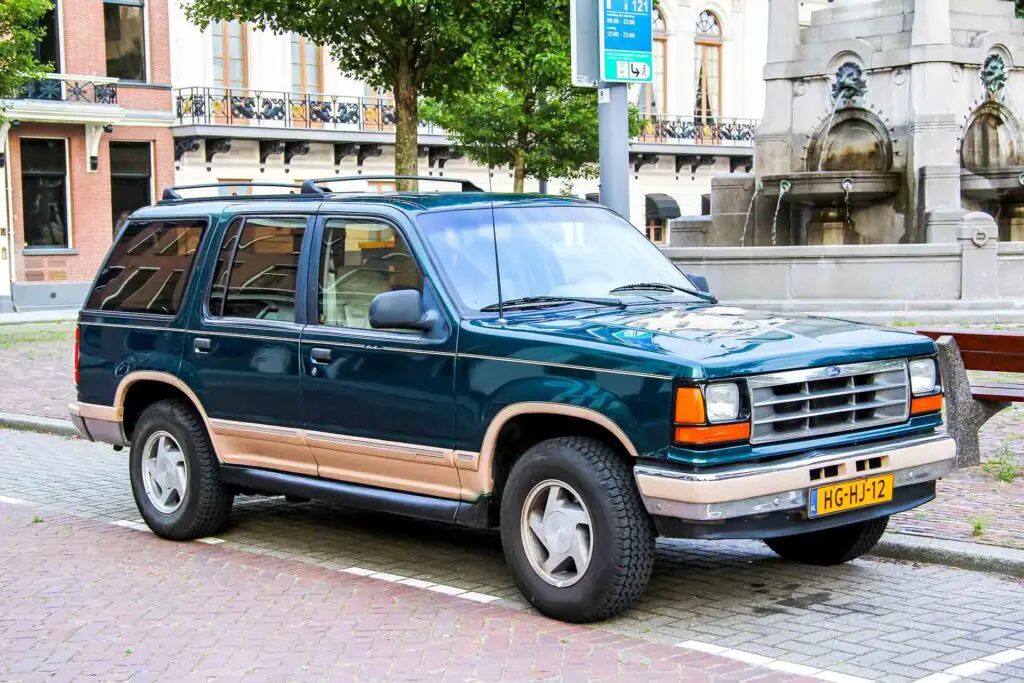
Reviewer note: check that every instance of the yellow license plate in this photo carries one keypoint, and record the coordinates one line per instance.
(849, 495)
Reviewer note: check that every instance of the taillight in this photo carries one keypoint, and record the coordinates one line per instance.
(78, 338)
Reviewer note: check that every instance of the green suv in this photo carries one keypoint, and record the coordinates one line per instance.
(363, 349)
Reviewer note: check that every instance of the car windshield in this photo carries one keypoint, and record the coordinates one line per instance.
(545, 251)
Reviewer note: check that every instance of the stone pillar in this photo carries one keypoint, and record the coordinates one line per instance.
(731, 205)
(979, 267)
(931, 23)
(775, 134)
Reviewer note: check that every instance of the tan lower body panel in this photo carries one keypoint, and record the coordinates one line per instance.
(761, 484)
(266, 447)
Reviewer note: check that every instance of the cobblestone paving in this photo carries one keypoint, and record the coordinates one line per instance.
(85, 600)
(37, 379)
(874, 619)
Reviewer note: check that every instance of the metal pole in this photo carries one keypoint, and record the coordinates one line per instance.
(543, 189)
(613, 125)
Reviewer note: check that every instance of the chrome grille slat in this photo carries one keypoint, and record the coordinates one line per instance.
(861, 389)
(800, 404)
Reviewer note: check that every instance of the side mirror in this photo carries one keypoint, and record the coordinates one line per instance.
(700, 281)
(400, 310)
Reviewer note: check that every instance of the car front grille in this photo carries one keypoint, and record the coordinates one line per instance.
(800, 404)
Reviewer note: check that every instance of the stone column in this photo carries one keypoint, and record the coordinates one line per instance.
(775, 134)
(979, 267)
(934, 165)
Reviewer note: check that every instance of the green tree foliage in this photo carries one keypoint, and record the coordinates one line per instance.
(520, 109)
(413, 48)
(1020, 8)
(20, 31)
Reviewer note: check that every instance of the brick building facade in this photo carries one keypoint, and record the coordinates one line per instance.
(83, 147)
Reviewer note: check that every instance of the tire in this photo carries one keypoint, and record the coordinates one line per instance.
(830, 546)
(621, 538)
(205, 505)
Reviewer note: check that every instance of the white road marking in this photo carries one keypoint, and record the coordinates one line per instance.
(137, 526)
(13, 501)
(769, 663)
(975, 666)
(210, 540)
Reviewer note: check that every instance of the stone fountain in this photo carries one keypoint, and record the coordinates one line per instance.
(886, 122)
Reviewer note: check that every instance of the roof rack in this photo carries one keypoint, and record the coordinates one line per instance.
(312, 186)
(172, 194)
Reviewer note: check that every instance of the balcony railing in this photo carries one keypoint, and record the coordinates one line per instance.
(67, 88)
(681, 129)
(288, 110)
(196, 106)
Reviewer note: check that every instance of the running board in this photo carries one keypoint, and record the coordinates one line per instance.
(475, 514)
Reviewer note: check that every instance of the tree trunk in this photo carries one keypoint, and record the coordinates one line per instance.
(520, 172)
(406, 133)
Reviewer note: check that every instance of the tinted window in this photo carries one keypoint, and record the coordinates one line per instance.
(148, 269)
(361, 260)
(125, 33)
(44, 192)
(129, 179)
(264, 268)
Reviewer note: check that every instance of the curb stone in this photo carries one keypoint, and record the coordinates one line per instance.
(893, 546)
(961, 554)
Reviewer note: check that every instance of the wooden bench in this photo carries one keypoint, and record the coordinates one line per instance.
(969, 405)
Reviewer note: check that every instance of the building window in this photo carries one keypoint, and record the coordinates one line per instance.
(657, 230)
(307, 69)
(652, 95)
(231, 189)
(44, 187)
(708, 62)
(130, 179)
(230, 67)
(124, 25)
(48, 47)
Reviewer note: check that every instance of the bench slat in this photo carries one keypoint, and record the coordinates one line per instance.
(996, 350)
(997, 391)
(993, 362)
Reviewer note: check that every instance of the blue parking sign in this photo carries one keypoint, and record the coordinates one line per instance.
(627, 41)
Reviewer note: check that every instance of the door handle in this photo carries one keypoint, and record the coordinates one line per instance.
(201, 345)
(320, 355)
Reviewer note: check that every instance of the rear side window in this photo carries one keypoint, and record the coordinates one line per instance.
(260, 282)
(148, 269)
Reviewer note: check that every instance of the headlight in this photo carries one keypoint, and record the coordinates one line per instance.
(723, 402)
(924, 378)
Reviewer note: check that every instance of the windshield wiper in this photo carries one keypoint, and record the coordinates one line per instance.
(531, 301)
(665, 287)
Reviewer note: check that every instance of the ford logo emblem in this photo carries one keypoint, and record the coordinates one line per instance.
(833, 372)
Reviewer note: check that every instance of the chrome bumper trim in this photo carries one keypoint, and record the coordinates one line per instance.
(719, 494)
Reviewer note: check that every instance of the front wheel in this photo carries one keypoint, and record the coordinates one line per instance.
(830, 546)
(575, 532)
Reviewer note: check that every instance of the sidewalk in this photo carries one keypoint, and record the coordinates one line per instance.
(972, 505)
(83, 598)
(47, 316)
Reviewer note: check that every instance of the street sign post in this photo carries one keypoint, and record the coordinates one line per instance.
(584, 52)
(627, 41)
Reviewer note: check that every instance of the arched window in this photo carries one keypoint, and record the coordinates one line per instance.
(708, 61)
(652, 95)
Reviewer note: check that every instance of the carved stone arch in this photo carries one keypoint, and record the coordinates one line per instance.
(857, 141)
(992, 138)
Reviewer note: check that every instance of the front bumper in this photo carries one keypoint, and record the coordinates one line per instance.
(98, 423)
(730, 494)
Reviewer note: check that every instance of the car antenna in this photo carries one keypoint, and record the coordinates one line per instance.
(494, 234)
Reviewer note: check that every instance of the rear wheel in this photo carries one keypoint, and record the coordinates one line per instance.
(175, 474)
(831, 546)
(575, 532)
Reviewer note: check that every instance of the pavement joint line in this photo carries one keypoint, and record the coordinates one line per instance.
(774, 664)
(975, 666)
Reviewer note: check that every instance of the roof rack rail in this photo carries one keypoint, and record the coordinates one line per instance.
(171, 194)
(312, 186)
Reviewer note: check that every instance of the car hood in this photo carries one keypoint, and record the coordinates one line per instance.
(712, 341)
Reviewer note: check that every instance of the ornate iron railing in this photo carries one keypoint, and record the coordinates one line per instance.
(65, 88)
(287, 110)
(674, 128)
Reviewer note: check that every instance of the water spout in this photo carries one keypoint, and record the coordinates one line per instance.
(750, 210)
(828, 129)
(847, 189)
(784, 187)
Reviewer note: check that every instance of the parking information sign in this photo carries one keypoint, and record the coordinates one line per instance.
(627, 41)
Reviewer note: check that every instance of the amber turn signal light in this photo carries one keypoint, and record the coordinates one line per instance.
(926, 404)
(690, 406)
(713, 433)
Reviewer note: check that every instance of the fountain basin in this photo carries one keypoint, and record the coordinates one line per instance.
(827, 188)
(987, 184)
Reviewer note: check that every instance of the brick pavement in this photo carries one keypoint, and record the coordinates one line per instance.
(84, 600)
(37, 379)
(875, 619)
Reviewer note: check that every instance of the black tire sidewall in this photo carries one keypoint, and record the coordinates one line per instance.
(175, 525)
(583, 600)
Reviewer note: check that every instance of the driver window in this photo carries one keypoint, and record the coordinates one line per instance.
(360, 260)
